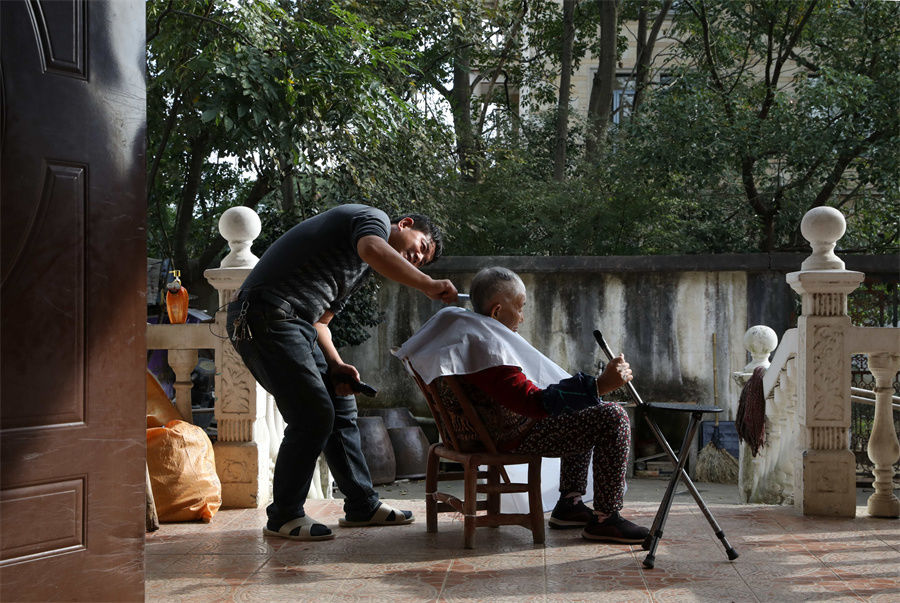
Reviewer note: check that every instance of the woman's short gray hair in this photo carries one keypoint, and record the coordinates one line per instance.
(488, 283)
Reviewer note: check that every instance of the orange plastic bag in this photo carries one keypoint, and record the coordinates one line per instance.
(160, 409)
(183, 472)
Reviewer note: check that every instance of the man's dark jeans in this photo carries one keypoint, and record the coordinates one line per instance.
(283, 356)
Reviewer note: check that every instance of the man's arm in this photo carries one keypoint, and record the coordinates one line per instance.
(336, 366)
(384, 259)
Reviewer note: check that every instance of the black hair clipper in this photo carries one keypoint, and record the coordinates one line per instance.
(358, 386)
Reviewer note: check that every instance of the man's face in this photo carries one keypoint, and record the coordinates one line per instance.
(509, 308)
(414, 245)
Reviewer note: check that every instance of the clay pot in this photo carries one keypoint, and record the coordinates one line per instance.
(377, 449)
(410, 450)
(393, 417)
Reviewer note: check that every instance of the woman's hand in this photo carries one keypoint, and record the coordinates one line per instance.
(616, 374)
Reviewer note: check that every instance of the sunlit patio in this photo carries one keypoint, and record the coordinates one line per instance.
(784, 556)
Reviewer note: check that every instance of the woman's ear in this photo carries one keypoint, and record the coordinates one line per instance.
(495, 310)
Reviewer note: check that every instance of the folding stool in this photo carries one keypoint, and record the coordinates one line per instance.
(647, 409)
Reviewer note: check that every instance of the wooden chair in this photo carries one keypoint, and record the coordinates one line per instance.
(454, 448)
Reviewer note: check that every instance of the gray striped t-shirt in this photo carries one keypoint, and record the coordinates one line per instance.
(314, 266)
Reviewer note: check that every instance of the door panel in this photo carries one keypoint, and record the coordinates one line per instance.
(72, 300)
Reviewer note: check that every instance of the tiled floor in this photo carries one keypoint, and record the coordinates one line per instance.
(783, 557)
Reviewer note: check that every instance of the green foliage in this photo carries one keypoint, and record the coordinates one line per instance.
(772, 107)
(289, 108)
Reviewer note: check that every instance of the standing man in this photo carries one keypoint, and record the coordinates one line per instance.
(278, 323)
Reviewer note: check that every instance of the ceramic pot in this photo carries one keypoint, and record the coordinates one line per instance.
(393, 417)
(410, 450)
(377, 449)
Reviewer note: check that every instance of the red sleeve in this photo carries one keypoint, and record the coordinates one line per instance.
(509, 387)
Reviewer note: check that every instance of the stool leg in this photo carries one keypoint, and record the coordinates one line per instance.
(665, 506)
(685, 478)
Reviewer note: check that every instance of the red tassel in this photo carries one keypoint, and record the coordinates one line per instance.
(750, 421)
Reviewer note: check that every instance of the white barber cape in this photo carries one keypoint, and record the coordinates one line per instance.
(458, 342)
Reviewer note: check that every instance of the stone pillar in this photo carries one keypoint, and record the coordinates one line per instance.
(827, 480)
(242, 446)
(183, 363)
(883, 449)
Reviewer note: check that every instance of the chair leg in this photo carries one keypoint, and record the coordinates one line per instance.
(493, 498)
(535, 503)
(470, 505)
(431, 482)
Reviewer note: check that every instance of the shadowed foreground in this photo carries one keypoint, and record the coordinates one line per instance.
(783, 557)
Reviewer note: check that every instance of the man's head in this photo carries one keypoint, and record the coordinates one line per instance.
(499, 293)
(416, 238)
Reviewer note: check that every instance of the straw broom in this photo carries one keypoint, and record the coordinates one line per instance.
(714, 463)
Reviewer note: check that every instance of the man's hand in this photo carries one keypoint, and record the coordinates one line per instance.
(616, 374)
(339, 374)
(442, 290)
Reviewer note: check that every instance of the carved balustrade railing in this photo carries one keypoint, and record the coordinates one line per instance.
(768, 477)
(808, 391)
(182, 342)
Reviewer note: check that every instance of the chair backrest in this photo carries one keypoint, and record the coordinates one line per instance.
(444, 417)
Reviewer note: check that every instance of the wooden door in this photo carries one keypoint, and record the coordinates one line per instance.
(72, 305)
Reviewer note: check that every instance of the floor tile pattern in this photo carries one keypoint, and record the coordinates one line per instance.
(784, 556)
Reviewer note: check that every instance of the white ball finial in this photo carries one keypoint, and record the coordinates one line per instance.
(239, 226)
(822, 227)
(760, 341)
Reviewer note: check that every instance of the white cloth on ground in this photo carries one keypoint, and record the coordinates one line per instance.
(456, 341)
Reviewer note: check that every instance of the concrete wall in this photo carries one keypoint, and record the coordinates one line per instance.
(661, 311)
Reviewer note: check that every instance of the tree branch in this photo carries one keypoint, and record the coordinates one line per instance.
(159, 19)
(840, 166)
(504, 56)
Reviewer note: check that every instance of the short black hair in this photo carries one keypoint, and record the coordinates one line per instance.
(423, 223)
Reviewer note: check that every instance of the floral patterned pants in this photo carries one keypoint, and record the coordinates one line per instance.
(602, 431)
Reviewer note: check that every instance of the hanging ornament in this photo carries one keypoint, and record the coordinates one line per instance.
(177, 300)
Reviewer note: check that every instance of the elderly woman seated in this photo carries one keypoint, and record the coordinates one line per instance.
(531, 405)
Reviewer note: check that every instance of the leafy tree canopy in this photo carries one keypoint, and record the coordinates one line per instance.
(453, 109)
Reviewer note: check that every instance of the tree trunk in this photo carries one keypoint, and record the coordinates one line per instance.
(565, 85)
(600, 105)
(461, 105)
(164, 140)
(288, 196)
(199, 152)
(646, 44)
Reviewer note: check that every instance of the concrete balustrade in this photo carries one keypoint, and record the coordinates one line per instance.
(182, 342)
(807, 459)
(768, 478)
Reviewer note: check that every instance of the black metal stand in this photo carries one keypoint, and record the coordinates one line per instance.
(647, 410)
